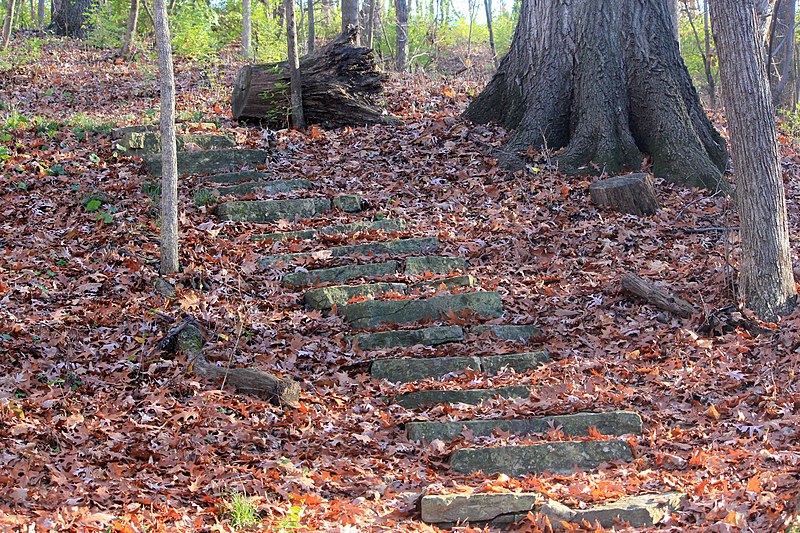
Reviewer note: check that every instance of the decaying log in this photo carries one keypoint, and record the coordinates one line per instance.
(657, 296)
(631, 193)
(339, 84)
(188, 338)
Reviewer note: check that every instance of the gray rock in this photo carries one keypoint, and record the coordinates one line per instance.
(149, 142)
(555, 457)
(264, 187)
(509, 333)
(272, 210)
(408, 369)
(236, 177)
(395, 247)
(426, 398)
(611, 423)
(376, 312)
(434, 265)
(349, 203)
(492, 507)
(519, 362)
(211, 161)
(119, 133)
(340, 274)
(639, 511)
(339, 229)
(408, 337)
(326, 297)
(449, 283)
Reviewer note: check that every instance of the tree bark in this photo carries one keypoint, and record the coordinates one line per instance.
(70, 19)
(130, 30)
(369, 23)
(781, 52)
(350, 18)
(766, 283)
(401, 33)
(604, 81)
(296, 82)
(312, 38)
(8, 23)
(488, 5)
(657, 296)
(631, 193)
(247, 28)
(672, 5)
(169, 155)
(40, 15)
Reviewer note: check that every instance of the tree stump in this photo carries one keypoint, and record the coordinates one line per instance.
(339, 84)
(632, 193)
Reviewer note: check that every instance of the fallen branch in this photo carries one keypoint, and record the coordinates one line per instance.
(657, 296)
(188, 338)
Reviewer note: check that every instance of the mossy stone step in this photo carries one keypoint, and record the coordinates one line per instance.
(349, 203)
(408, 369)
(303, 278)
(272, 210)
(227, 178)
(394, 247)
(610, 423)
(376, 312)
(119, 133)
(449, 283)
(326, 297)
(645, 510)
(432, 336)
(434, 265)
(426, 398)
(339, 229)
(265, 187)
(509, 333)
(149, 142)
(211, 161)
(554, 457)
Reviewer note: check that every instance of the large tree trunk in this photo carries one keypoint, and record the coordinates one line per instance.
(69, 20)
(604, 80)
(339, 83)
(766, 282)
(401, 34)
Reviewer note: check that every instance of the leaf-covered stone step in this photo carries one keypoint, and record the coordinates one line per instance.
(376, 312)
(610, 423)
(149, 142)
(432, 336)
(408, 369)
(272, 210)
(339, 229)
(394, 247)
(645, 510)
(264, 187)
(554, 457)
(426, 398)
(510, 333)
(326, 297)
(448, 283)
(434, 265)
(211, 161)
(227, 178)
(340, 274)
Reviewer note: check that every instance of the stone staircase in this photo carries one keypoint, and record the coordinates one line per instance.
(388, 290)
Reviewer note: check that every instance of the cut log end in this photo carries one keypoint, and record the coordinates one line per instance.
(631, 193)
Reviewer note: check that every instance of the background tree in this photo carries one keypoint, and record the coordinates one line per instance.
(488, 5)
(780, 53)
(69, 19)
(247, 28)
(296, 82)
(401, 34)
(311, 29)
(766, 283)
(350, 17)
(8, 22)
(604, 80)
(130, 30)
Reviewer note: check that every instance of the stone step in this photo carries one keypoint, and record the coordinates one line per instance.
(521, 333)
(646, 510)
(553, 457)
(433, 336)
(339, 229)
(434, 265)
(376, 312)
(326, 297)
(148, 143)
(340, 274)
(449, 283)
(408, 369)
(211, 161)
(264, 187)
(272, 210)
(427, 398)
(227, 178)
(610, 423)
(395, 247)
(119, 133)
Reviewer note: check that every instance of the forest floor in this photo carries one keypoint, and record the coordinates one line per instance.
(99, 431)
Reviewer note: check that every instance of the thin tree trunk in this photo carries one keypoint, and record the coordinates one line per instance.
(401, 9)
(169, 156)
(471, 8)
(8, 23)
(247, 28)
(780, 50)
(312, 38)
(488, 5)
(296, 83)
(369, 26)
(704, 55)
(40, 15)
(712, 82)
(350, 17)
(130, 30)
(766, 282)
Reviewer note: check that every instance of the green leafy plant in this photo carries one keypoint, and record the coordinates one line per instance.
(204, 197)
(292, 519)
(240, 510)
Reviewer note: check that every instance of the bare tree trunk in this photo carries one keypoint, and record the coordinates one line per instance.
(312, 38)
(704, 55)
(130, 30)
(247, 28)
(369, 23)
(780, 51)
(70, 18)
(350, 17)
(766, 282)
(488, 5)
(471, 9)
(8, 23)
(672, 5)
(296, 83)
(401, 8)
(40, 15)
(169, 156)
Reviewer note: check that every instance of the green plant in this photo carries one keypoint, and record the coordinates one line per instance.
(292, 519)
(240, 510)
(204, 197)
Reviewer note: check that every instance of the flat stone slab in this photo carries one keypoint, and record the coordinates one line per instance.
(395, 247)
(339, 229)
(408, 369)
(509, 333)
(211, 161)
(426, 398)
(148, 142)
(498, 508)
(349, 203)
(433, 336)
(326, 297)
(449, 283)
(611, 423)
(265, 187)
(555, 457)
(434, 265)
(236, 177)
(272, 210)
(376, 312)
(639, 511)
(339, 274)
